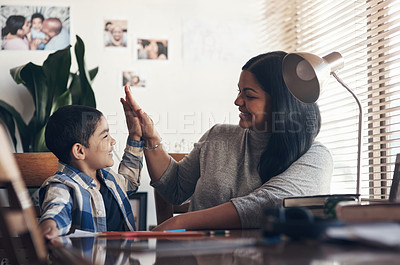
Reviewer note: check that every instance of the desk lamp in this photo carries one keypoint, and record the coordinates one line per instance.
(305, 74)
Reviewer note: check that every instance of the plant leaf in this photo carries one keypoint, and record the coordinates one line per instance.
(86, 92)
(40, 143)
(12, 115)
(24, 75)
(8, 121)
(75, 88)
(62, 100)
(56, 69)
(93, 72)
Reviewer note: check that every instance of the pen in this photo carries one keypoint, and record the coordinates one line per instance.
(219, 233)
(175, 230)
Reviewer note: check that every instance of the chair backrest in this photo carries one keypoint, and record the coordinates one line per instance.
(164, 209)
(36, 167)
(18, 222)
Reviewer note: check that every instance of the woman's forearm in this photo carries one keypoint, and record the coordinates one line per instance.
(157, 160)
(224, 216)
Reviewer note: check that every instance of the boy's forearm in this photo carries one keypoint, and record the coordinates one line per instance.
(55, 204)
(132, 164)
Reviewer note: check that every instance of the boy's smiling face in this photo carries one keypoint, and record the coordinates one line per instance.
(99, 153)
(37, 24)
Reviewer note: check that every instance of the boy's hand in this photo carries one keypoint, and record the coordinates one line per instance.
(134, 128)
(148, 130)
(48, 229)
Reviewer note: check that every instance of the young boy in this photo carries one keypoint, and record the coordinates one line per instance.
(36, 30)
(84, 193)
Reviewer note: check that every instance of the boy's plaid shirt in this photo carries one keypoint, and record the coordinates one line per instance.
(71, 199)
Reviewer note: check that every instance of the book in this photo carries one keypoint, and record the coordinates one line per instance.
(317, 201)
(351, 212)
(382, 234)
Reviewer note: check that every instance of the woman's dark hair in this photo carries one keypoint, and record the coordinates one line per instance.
(13, 24)
(162, 49)
(294, 124)
(69, 125)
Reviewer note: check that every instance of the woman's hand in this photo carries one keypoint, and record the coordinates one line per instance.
(169, 224)
(223, 216)
(149, 133)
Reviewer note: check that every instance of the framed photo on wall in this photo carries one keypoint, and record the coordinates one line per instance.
(26, 27)
(152, 49)
(115, 33)
(138, 202)
(135, 79)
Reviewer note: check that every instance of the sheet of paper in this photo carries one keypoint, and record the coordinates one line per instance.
(385, 234)
(81, 233)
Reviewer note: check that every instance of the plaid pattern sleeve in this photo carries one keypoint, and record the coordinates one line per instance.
(71, 199)
(131, 165)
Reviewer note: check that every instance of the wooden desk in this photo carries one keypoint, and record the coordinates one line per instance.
(135, 251)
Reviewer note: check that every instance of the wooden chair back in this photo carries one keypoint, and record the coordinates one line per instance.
(164, 209)
(18, 222)
(36, 167)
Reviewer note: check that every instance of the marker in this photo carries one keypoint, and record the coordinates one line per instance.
(176, 230)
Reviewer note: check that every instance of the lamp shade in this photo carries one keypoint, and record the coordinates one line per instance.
(305, 73)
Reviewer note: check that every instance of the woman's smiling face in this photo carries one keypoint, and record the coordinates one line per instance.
(254, 104)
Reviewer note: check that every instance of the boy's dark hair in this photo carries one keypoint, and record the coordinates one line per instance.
(69, 125)
(37, 15)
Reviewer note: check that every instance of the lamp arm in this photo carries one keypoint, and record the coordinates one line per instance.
(360, 116)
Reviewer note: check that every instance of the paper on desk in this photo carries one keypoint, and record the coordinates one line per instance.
(81, 233)
(384, 234)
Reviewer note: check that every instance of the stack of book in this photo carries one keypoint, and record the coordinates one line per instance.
(319, 205)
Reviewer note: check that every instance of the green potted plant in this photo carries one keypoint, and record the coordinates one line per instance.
(51, 86)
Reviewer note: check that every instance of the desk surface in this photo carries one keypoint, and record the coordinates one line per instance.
(245, 247)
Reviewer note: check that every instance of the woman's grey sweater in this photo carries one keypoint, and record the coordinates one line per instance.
(222, 167)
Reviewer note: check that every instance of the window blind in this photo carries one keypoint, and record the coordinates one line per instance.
(367, 34)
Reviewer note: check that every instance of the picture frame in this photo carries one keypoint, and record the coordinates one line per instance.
(116, 33)
(138, 202)
(136, 79)
(46, 27)
(152, 49)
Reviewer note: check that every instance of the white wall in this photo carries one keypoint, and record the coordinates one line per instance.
(184, 99)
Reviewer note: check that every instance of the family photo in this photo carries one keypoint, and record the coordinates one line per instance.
(133, 78)
(34, 27)
(115, 33)
(152, 49)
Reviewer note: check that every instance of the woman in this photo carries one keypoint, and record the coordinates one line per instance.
(235, 172)
(15, 34)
